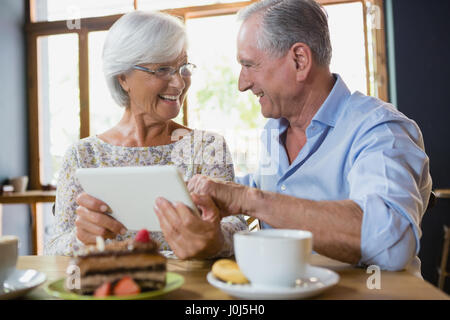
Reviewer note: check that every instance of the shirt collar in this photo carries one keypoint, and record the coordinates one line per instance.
(328, 113)
(330, 110)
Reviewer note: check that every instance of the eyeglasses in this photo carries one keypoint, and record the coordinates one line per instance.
(166, 73)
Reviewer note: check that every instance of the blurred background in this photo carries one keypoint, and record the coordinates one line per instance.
(53, 92)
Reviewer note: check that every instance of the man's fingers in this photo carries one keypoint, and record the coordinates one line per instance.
(101, 219)
(209, 209)
(200, 184)
(192, 183)
(93, 204)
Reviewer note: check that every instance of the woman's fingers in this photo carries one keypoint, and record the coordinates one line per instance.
(188, 235)
(85, 237)
(93, 229)
(101, 219)
(165, 207)
(167, 227)
(92, 203)
(172, 235)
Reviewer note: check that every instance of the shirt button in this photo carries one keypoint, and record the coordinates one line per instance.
(283, 187)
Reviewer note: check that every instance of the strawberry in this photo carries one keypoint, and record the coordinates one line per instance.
(104, 290)
(142, 236)
(126, 286)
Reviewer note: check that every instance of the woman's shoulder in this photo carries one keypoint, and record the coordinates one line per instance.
(82, 149)
(88, 142)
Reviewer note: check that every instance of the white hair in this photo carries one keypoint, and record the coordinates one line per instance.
(285, 22)
(139, 38)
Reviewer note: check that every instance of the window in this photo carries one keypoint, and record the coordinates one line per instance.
(103, 112)
(68, 97)
(59, 97)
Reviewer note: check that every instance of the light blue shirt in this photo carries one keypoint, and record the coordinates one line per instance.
(359, 148)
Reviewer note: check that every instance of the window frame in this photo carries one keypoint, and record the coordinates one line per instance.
(33, 30)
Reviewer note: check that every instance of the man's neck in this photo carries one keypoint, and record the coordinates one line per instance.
(315, 92)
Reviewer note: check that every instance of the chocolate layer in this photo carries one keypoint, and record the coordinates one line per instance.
(105, 263)
(159, 267)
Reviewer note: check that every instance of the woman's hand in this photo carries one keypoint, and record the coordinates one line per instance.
(93, 220)
(188, 235)
(228, 196)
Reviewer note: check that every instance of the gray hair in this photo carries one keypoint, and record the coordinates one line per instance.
(139, 38)
(285, 22)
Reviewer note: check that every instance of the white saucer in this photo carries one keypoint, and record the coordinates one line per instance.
(20, 282)
(317, 280)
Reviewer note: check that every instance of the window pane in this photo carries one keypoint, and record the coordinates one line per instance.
(347, 39)
(104, 112)
(58, 99)
(171, 4)
(52, 10)
(215, 102)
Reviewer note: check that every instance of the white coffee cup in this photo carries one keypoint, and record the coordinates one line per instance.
(273, 257)
(8, 256)
(19, 183)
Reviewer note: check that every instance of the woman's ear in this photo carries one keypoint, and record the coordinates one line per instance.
(302, 56)
(123, 82)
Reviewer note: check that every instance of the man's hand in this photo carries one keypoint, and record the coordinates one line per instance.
(228, 196)
(188, 235)
(93, 220)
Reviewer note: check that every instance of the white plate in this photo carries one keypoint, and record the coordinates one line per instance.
(20, 282)
(317, 281)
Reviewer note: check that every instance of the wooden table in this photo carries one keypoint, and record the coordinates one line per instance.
(352, 284)
(442, 270)
(31, 198)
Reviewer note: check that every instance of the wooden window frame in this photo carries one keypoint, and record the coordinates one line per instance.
(33, 30)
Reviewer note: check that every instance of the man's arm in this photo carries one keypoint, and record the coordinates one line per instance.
(336, 225)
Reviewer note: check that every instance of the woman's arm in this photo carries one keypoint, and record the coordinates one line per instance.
(64, 240)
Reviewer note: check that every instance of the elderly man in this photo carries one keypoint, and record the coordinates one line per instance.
(348, 167)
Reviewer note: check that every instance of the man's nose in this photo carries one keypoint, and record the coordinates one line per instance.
(243, 84)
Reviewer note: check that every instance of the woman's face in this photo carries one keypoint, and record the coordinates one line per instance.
(161, 99)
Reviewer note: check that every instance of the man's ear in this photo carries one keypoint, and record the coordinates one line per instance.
(123, 82)
(302, 56)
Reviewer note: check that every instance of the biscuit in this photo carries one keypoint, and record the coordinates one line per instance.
(228, 270)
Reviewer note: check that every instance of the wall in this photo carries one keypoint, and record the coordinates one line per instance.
(422, 70)
(13, 114)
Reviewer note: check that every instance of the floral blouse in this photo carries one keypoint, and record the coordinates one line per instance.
(198, 152)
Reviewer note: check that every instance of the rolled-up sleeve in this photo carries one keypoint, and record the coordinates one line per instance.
(389, 179)
(247, 180)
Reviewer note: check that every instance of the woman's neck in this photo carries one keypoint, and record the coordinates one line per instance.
(139, 130)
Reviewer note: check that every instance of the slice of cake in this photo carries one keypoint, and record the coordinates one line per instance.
(137, 259)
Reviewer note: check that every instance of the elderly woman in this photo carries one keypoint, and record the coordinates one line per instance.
(148, 73)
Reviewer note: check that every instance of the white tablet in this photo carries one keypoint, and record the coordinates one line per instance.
(131, 192)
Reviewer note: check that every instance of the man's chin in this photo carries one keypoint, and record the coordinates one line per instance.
(270, 114)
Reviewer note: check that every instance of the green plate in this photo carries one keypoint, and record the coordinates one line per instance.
(56, 289)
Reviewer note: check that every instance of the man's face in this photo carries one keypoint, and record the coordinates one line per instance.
(266, 76)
